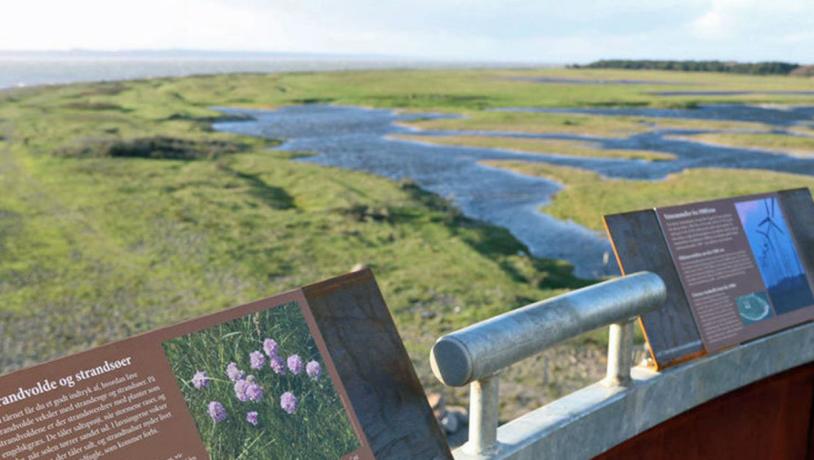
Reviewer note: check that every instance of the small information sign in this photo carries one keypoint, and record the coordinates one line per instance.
(735, 268)
(738, 262)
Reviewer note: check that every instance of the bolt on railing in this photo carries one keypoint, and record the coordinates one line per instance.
(476, 354)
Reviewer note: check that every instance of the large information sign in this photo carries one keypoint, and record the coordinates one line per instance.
(735, 269)
(319, 372)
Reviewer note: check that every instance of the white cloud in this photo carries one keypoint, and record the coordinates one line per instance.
(711, 25)
(753, 22)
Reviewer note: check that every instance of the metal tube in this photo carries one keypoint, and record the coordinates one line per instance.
(484, 399)
(487, 347)
(620, 354)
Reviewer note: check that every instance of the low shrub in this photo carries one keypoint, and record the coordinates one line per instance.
(156, 147)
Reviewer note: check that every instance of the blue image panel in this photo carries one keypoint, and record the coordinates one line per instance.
(775, 254)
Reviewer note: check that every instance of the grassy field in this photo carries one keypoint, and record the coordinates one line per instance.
(122, 210)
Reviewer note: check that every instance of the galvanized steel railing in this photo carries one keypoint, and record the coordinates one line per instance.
(476, 354)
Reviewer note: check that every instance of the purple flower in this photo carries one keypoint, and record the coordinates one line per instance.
(251, 417)
(240, 390)
(200, 380)
(233, 372)
(313, 369)
(256, 360)
(254, 392)
(217, 412)
(295, 364)
(277, 365)
(248, 390)
(270, 347)
(288, 402)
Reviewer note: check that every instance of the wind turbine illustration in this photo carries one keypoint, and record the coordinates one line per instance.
(769, 219)
(769, 230)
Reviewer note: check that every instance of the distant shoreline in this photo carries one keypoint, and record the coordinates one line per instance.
(24, 70)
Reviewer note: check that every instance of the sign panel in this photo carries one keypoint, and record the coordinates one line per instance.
(735, 269)
(739, 265)
(260, 381)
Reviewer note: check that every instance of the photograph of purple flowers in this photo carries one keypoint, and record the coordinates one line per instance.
(258, 389)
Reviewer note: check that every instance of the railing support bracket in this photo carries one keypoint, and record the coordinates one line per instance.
(620, 354)
(484, 399)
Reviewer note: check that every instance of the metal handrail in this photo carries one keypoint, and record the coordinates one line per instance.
(476, 354)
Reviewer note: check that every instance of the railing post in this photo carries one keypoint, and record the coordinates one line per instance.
(484, 399)
(620, 353)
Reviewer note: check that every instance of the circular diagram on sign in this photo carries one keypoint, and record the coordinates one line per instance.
(753, 307)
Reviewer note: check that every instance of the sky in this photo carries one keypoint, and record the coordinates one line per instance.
(546, 31)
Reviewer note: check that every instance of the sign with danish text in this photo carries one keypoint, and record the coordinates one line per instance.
(274, 379)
